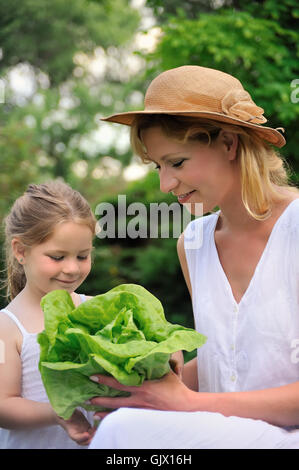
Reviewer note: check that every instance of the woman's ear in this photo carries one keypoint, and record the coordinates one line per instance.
(18, 249)
(230, 142)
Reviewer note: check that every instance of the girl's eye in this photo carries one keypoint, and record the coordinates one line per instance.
(157, 167)
(178, 164)
(59, 258)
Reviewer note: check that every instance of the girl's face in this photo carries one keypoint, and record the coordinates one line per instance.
(61, 262)
(193, 171)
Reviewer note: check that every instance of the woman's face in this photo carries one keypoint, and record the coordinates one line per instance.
(193, 171)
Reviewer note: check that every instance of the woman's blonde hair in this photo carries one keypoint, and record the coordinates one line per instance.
(262, 169)
(33, 218)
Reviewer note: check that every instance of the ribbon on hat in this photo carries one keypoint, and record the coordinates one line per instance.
(238, 103)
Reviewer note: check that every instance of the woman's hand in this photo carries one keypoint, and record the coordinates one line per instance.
(78, 428)
(177, 363)
(167, 393)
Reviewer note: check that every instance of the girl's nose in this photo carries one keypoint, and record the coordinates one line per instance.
(168, 182)
(71, 266)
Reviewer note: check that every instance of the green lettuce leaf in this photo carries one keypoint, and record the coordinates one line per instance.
(123, 333)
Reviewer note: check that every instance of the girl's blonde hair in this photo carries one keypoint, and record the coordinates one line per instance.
(262, 169)
(33, 218)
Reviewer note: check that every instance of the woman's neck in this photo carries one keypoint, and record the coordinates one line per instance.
(235, 218)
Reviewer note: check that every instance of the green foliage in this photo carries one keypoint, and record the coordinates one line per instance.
(18, 159)
(122, 333)
(48, 33)
(47, 135)
(191, 8)
(42, 140)
(285, 12)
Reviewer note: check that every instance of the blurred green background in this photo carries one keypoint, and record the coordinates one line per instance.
(64, 64)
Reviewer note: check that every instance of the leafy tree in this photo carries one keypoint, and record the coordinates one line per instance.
(191, 8)
(48, 33)
(57, 45)
(285, 12)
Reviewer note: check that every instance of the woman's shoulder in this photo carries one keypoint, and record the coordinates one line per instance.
(203, 220)
(199, 229)
(291, 208)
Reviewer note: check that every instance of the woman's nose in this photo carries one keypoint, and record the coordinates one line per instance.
(168, 182)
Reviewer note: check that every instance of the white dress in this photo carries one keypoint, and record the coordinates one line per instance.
(47, 437)
(251, 345)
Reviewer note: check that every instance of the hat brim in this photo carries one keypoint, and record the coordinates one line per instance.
(266, 133)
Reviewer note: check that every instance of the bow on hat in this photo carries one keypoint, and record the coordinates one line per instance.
(238, 103)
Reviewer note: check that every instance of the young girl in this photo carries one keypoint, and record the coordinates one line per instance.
(49, 234)
(205, 135)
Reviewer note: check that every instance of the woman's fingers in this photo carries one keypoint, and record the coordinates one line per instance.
(112, 402)
(101, 414)
(159, 394)
(112, 382)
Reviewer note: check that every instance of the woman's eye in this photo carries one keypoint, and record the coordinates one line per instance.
(177, 164)
(157, 167)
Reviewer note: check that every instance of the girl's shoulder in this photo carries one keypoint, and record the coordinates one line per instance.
(10, 332)
(79, 298)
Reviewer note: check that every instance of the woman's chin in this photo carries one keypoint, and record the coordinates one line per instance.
(194, 208)
(199, 209)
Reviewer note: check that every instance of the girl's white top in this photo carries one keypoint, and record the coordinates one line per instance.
(253, 344)
(48, 437)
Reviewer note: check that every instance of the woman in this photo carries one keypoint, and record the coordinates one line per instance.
(205, 135)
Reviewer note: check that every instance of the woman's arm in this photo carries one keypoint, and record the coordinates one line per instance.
(278, 406)
(190, 375)
(183, 262)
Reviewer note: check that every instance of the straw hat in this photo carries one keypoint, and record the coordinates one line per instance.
(197, 91)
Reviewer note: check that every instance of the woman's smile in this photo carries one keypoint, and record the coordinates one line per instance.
(182, 198)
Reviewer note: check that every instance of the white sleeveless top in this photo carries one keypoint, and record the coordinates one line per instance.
(253, 344)
(48, 437)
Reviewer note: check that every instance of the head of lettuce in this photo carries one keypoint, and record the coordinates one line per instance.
(122, 333)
